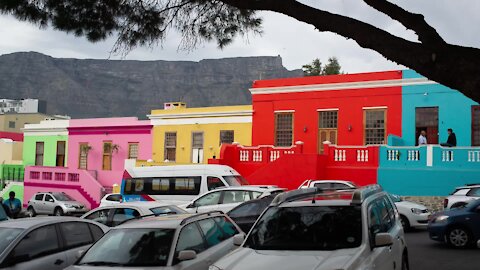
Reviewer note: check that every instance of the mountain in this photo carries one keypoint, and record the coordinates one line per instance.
(104, 88)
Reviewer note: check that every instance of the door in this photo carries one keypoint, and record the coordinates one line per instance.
(427, 119)
(37, 202)
(197, 147)
(206, 203)
(48, 204)
(233, 198)
(327, 128)
(76, 237)
(190, 238)
(218, 243)
(381, 257)
(39, 249)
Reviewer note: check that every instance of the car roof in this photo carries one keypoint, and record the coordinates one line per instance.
(187, 169)
(164, 222)
(468, 186)
(249, 188)
(143, 205)
(332, 181)
(317, 203)
(25, 223)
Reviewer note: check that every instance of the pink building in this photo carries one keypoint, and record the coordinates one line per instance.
(97, 150)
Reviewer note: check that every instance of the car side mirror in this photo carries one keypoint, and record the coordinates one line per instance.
(79, 254)
(238, 239)
(192, 205)
(186, 255)
(383, 240)
(50, 200)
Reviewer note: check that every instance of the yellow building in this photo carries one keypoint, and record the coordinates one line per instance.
(184, 135)
(14, 122)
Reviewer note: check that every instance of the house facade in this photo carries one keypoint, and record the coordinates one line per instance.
(184, 135)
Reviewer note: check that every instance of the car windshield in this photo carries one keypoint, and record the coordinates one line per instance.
(236, 180)
(395, 198)
(131, 247)
(63, 197)
(7, 235)
(307, 228)
(167, 210)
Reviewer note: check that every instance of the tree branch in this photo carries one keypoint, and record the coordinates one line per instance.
(416, 22)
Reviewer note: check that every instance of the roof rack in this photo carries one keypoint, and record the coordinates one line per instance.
(145, 216)
(199, 215)
(360, 194)
(295, 195)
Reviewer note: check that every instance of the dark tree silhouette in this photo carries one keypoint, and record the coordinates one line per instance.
(146, 22)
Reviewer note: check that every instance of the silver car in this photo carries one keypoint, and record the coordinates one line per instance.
(54, 203)
(45, 242)
(180, 242)
(462, 196)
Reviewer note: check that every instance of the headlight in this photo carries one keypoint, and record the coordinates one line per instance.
(416, 211)
(68, 205)
(441, 219)
(213, 267)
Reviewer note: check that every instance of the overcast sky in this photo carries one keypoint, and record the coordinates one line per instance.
(298, 43)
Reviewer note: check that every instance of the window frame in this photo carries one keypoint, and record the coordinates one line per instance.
(80, 156)
(58, 155)
(277, 129)
(38, 155)
(226, 133)
(475, 125)
(130, 147)
(365, 112)
(170, 147)
(63, 235)
(10, 124)
(107, 166)
(175, 261)
(58, 249)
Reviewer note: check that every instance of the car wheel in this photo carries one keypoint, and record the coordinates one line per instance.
(458, 237)
(58, 212)
(405, 223)
(31, 212)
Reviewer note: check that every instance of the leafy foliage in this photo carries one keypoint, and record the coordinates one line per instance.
(315, 68)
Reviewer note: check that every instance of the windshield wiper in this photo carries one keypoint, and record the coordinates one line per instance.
(102, 263)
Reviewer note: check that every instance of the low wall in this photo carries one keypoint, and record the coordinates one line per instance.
(434, 203)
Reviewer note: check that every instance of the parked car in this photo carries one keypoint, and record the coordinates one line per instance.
(459, 227)
(114, 215)
(247, 213)
(111, 199)
(308, 229)
(328, 184)
(171, 242)
(225, 199)
(412, 215)
(45, 242)
(462, 196)
(54, 203)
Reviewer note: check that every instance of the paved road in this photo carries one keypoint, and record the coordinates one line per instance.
(427, 254)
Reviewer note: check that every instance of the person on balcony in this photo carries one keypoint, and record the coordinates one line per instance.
(13, 204)
(452, 139)
(422, 139)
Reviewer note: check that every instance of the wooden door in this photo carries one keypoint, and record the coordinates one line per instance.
(326, 134)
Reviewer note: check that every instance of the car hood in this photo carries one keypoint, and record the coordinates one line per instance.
(410, 205)
(247, 259)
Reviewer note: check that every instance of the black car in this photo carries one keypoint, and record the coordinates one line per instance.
(248, 212)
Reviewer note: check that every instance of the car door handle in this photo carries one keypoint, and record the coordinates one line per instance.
(58, 262)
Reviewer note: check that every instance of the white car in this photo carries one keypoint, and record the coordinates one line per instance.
(225, 199)
(111, 199)
(328, 184)
(462, 196)
(412, 215)
(309, 229)
(114, 215)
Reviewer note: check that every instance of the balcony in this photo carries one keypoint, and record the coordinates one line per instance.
(11, 172)
(358, 156)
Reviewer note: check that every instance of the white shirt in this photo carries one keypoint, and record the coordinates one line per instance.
(422, 140)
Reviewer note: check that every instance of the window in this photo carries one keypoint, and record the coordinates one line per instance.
(100, 216)
(97, 233)
(83, 156)
(61, 153)
(163, 210)
(227, 136)
(426, 119)
(476, 125)
(236, 196)
(115, 198)
(375, 127)
(48, 198)
(328, 119)
(38, 197)
(38, 243)
(211, 231)
(107, 156)
(475, 192)
(283, 129)
(228, 229)
(247, 209)
(209, 199)
(214, 183)
(381, 217)
(170, 146)
(11, 124)
(132, 150)
(197, 147)
(189, 239)
(75, 234)
(160, 185)
(122, 214)
(39, 148)
(163, 186)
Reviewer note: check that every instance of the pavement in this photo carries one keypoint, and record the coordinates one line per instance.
(428, 254)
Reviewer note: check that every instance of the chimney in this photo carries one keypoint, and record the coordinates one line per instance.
(174, 105)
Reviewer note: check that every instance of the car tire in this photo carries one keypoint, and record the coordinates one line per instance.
(405, 223)
(31, 212)
(458, 237)
(58, 212)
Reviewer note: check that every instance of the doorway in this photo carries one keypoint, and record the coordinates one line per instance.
(327, 128)
(426, 118)
(197, 147)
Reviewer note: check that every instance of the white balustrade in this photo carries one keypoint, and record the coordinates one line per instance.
(413, 155)
(393, 155)
(274, 155)
(362, 155)
(473, 156)
(340, 155)
(447, 156)
(244, 155)
(257, 155)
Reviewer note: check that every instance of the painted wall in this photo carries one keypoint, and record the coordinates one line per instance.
(20, 120)
(350, 103)
(50, 149)
(454, 110)
(120, 131)
(10, 152)
(209, 120)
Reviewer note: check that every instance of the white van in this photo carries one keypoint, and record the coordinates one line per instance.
(176, 183)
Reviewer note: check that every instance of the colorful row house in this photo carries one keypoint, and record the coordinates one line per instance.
(360, 127)
(11, 168)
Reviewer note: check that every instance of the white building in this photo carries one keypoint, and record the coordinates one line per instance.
(22, 106)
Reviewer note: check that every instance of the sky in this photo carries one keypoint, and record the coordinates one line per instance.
(297, 43)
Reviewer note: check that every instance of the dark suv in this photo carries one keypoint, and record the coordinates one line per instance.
(459, 227)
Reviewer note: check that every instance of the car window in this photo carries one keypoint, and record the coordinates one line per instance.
(388, 214)
(461, 192)
(163, 210)
(475, 192)
(8, 235)
(214, 183)
(236, 196)
(115, 198)
(209, 199)
(211, 231)
(340, 186)
(75, 234)
(227, 227)
(190, 239)
(322, 185)
(248, 209)
(38, 243)
(48, 198)
(97, 233)
(122, 214)
(39, 197)
(100, 216)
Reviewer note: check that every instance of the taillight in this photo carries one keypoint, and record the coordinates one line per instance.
(445, 203)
